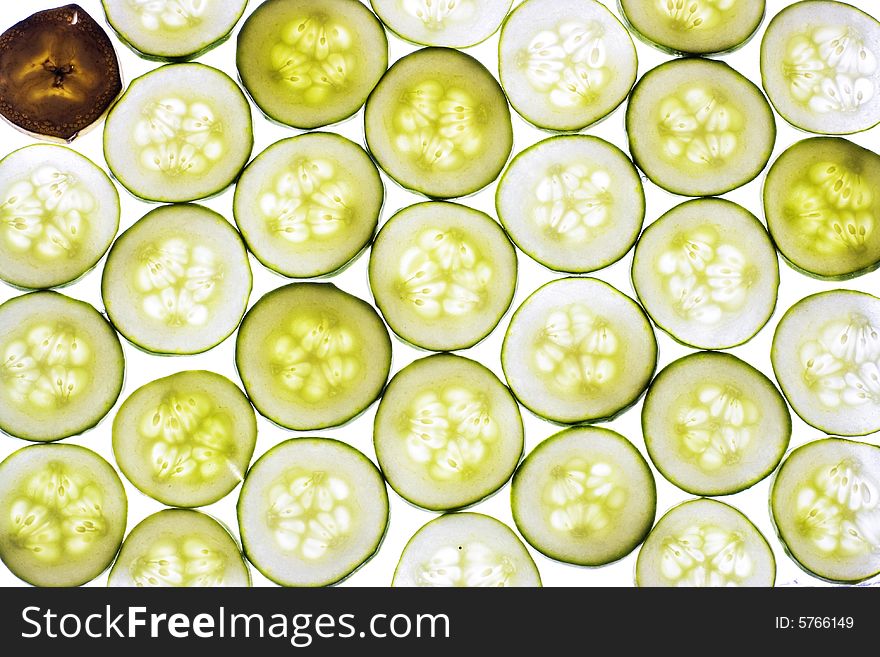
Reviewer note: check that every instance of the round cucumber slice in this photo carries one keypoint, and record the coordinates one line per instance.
(442, 274)
(63, 511)
(59, 213)
(466, 550)
(574, 203)
(705, 543)
(696, 127)
(312, 511)
(182, 548)
(578, 350)
(822, 204)
(714, 425)
(438, 124)
(826, 356)
(447, 433)
(584, 496)
(453, 23)
(308, 64)
(820, 66)
(62, 366)
(179, 133)
(186, 439)
(308, 205)
(707, 273)
(177, 281)
(825, 505)
(312, 356)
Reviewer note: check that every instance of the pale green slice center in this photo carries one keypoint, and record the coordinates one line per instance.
(583, 498)
(706, 555)
(699, 126)
(180, 138)
(164, 15)
(573, 202)
(470, 564)
(436, 14)
(694, 15)
(184, 560)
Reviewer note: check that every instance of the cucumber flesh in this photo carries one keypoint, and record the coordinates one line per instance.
(453, 23)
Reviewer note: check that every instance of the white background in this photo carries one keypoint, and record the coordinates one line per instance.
(406, 519)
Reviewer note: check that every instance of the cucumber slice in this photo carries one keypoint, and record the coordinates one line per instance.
(177, 281)
(705, 543)
(453, 23)
(447, 433)
(578, 350)
(438, 124)
(179, 133)
(820, 66)
(696, 127)
(312, 356)
(466, 550)
(825, 505)
(574, 203)
(62, 367)
(584, 496)
(186, 439)
(714, 425)
(707, 273)
(179, 547)
(442, 274)
(64, 511)
(826, 356)
(312, 511)
(308, 205)
(822, 203)
(308, 64)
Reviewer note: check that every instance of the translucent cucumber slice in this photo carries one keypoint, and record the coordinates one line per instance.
(62, 514)
(180, 548)
(707, 273)
(62, 366)
(705, 543)
(447, 433)
(466, 550)
(177, 281)
(574, 203)
(584, 496)
(822, 204)
(698, 128)
(186, 439)
(179, 133)
(312, 511)
(438, 124)
(312, 356)
(59, 213)
(820, 66)
(714, 425)
(308, 64)
(442, 274)
(453, 23)
(825, 504)
(578, 350)
(308, 205)
(826, 356)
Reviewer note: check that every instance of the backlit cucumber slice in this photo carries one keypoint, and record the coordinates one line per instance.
(584, 496)
(454, 23)
(447, 433)
(312, 511)
(578, 350)
(62, 366)
(825, 504)
(312, 356)
(573, 203)
(466, 550)
(179, 133)
(59, 213)
(707, 273)
(705, 543)
(820, 66)
(62, 514)
(442, 274)
(177, 281)
(698, 128)
(309, 64)
(186, 439)
(438, 123)
(309, 204)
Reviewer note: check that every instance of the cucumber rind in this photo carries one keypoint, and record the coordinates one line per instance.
(401, 33)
